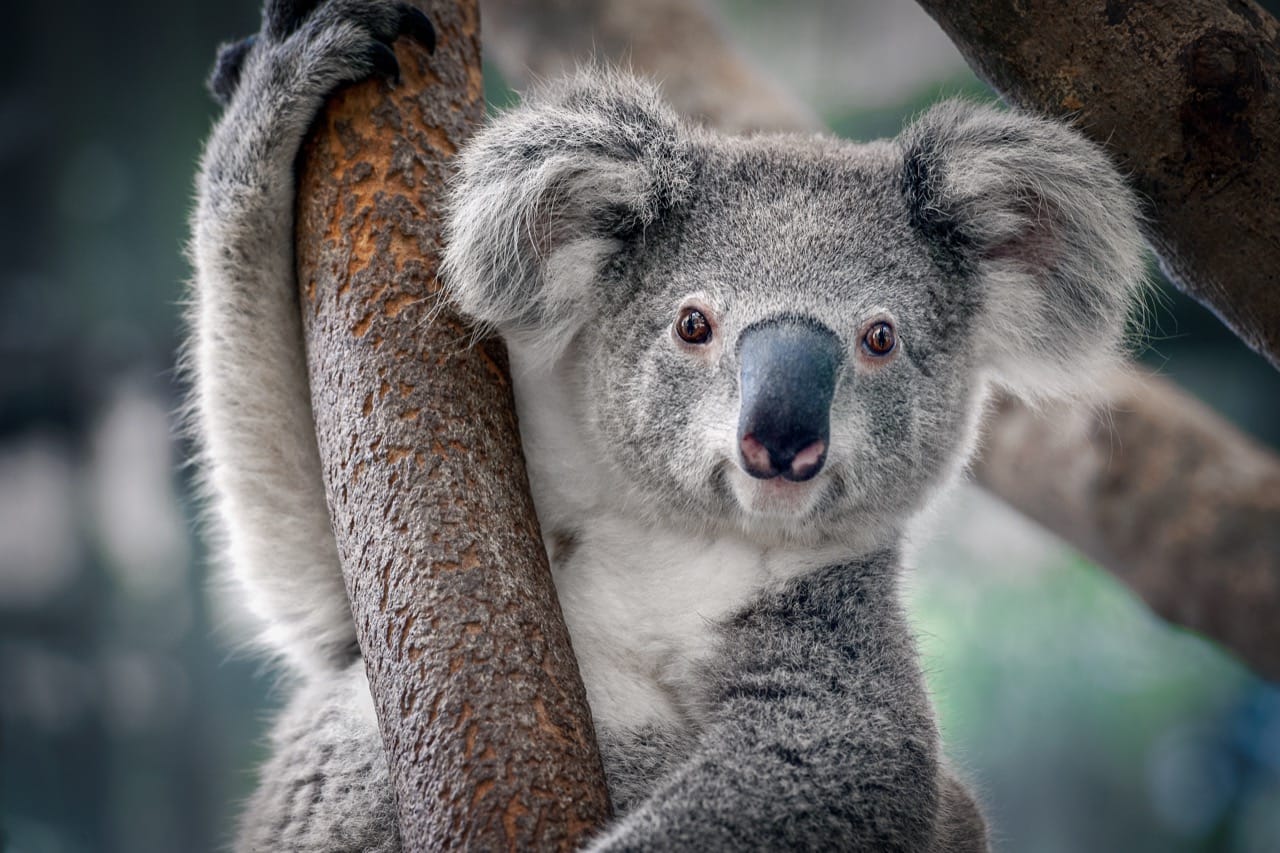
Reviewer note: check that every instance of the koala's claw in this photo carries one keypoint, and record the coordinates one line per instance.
(415, 24)
(289, 25)
(227, 67)
(280, 18)
(384, 61)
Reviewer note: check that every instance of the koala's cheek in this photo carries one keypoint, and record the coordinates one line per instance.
(694, 448)
(873, 443)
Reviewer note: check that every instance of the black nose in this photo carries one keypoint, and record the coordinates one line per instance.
(788, 371)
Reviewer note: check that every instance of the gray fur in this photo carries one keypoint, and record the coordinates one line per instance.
(325, 785)
(754, 682)
(251, 409)
(595, 167)
(819, 731)
(1038, 213)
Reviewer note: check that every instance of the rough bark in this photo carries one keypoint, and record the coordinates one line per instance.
(1186, 95)
(1196, 538)
(478, 697)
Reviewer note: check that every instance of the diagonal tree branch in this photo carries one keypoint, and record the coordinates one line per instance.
(1186, 95)
(1179, 505)
(481, 708)
(676, 41)
(1161, 491)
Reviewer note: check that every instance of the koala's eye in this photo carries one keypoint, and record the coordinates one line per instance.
(879, 339)
(693, 327)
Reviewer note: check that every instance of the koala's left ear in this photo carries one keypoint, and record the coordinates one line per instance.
(1036, 217)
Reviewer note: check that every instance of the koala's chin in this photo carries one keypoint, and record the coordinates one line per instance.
(777, 500)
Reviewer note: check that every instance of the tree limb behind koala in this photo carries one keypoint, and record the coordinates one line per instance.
(1186, 95)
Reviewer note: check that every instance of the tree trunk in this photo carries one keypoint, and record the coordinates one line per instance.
(1162, 492)
(1186, 95)
(481, 708)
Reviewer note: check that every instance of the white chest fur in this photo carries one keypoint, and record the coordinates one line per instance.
(641, 601)
(641, 605)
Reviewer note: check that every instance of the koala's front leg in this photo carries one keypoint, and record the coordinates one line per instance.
(326, 785)
(251, 403)
(820, 735)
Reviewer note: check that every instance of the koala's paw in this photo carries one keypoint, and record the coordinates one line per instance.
(317, 46)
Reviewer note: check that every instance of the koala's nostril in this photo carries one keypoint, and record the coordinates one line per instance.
(757, 458)
(808, 462)
(765, 461)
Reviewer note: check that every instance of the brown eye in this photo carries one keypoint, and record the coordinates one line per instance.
(693, 327)
(879, 339)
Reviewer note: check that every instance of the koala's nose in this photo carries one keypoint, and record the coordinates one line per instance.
(788, 371)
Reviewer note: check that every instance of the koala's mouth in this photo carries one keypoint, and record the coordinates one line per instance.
(776, 497)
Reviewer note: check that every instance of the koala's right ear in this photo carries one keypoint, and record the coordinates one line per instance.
(553, 189)
(1038, 230)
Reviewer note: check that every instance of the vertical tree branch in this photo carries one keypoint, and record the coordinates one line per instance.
(1161, 491)
(481, 708)
(1186, 94)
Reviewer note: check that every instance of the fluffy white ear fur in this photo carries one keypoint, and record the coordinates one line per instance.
(546, 196)
(1037, 217)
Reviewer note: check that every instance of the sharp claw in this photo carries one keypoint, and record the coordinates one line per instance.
(283, 17)
(226, 70)
(415, 23)
(385, 62)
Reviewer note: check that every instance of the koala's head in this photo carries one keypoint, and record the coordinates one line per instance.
(788, 335)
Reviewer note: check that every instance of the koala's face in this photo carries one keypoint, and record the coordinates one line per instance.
(789, 336)
(769, 355)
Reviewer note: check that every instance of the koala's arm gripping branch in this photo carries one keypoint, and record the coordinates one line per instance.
(1186, 96)
(479, 701)
(1204, 555)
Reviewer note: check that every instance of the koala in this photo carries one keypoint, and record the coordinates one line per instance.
(743, 367)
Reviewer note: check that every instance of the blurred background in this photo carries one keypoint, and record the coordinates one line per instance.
(128, 721)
